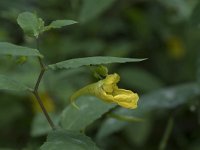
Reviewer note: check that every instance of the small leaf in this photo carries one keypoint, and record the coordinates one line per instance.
(63, 139)
(10, 84)
(59, 23)
(93, 8)
(11, 49)
(78, 62)
(30, 23)
(91, 107)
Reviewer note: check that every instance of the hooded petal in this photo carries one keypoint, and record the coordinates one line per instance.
(108, 91)
(126, 98)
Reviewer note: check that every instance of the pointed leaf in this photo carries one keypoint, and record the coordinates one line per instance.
(91, 107)
(78, 62)
(11, 49)
(59, 24)
(62, 140)
(10, 84)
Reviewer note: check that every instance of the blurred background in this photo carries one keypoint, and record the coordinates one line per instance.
(167, 32)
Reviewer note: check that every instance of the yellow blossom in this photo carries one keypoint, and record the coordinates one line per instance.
(108, 91)
(175, 47)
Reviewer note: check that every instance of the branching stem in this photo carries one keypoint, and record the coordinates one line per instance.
(35, 92)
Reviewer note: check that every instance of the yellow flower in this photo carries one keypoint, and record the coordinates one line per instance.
(175, 47)
(108, 91)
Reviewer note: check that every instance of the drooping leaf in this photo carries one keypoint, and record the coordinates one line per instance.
(93, 8)
(10, 84)
(162, 99)
(11, 49)
(78, 62)
(30, 23)
(63, 139)
(59, 24)
(91, 108)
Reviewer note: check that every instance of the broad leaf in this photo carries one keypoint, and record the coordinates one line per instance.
(11, 49)
(163, 99)
(30, 23)
(93, 8)
(78, 62)
(91, 108)
(169, 97)
(9, 84)
(62, 140)
(59, 24)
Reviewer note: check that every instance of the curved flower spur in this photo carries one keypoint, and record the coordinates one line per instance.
(107, 90)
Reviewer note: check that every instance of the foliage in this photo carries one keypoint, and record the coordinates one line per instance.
(71, 54)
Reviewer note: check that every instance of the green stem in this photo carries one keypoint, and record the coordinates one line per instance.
(35, 92)
(166, 135)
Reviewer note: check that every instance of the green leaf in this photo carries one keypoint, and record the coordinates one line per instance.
(169, 97)
(162, 99)
(11, 49)
(93, 8)
(59, 24)
(62, 140)
(9, 84)
(78, 62)
(91, 108)
(30, 23)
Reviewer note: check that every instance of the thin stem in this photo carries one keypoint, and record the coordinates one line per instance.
(39, 80)
(35, 92)
(166, 135)
(44, 110)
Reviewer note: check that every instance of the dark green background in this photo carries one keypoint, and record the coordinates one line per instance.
(166, 81)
